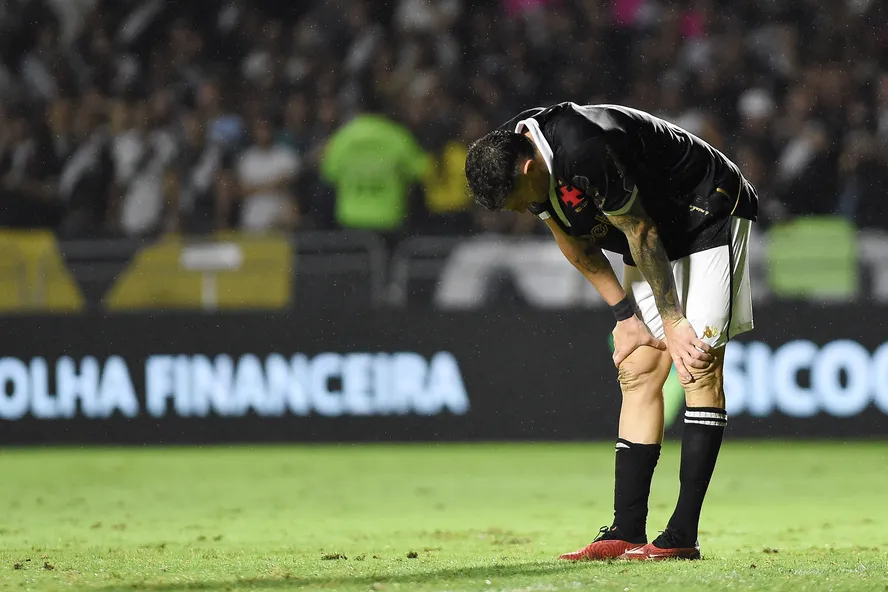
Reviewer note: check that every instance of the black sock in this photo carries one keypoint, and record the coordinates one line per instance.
(703, 431)
(634, 469)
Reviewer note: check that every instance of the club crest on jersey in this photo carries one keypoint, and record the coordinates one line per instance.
(571, 196)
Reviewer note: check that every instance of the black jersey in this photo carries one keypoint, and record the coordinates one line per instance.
(604, 157)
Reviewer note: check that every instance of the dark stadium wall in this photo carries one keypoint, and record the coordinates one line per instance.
(399, 376)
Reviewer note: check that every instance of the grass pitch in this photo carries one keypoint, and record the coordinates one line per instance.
(780, 516)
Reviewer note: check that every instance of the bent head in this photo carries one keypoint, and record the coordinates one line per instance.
(505, 172)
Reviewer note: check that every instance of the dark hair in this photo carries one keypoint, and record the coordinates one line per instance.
(492, 166)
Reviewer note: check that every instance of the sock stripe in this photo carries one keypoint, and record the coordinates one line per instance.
(709, 409)
(720, 424)
(623, 444)
(706, 415)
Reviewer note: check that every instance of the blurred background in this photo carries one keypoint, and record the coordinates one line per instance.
(249, 217)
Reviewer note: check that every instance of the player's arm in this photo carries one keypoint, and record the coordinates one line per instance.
(687, 350)
(630, 332)
(650, 256)
(591, 262)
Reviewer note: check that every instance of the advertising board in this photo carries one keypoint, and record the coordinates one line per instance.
(410, 375)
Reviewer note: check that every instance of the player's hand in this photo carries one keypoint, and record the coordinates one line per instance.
(687, 350)
(631, 334)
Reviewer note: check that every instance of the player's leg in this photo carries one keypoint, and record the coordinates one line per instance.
(718, 310)
(718, 305)
(704, 427)
(641, 376)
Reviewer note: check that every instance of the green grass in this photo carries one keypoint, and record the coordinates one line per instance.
(780, 516)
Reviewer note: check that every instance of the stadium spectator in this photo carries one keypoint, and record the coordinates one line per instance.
(28, 171)
(294, 132)
(86, 182)
(193, 178)
(448, 203)
(143, 155)
(784, 87)
(59, 121)
(756, 112)
(266, 173)
(373, 163)
(225, 125)
(864, 168)
(46, 69)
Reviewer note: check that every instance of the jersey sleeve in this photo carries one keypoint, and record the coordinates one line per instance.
(601, 167)
(621, 194)
(597, 169)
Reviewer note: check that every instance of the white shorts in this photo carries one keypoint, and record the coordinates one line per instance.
(713, 286)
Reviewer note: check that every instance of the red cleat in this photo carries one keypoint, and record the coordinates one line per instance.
(607, 545)
(651, 552)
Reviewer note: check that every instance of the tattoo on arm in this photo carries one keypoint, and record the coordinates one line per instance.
(651, 258)
(586, 256)
(591, 259)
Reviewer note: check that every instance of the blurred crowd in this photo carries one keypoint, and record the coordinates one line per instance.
(135, 117)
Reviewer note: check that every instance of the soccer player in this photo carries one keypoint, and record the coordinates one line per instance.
(605, 177)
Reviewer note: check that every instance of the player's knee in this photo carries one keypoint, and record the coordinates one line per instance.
(637, 380)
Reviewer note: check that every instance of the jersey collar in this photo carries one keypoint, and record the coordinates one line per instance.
(542, 145)
(539, 139)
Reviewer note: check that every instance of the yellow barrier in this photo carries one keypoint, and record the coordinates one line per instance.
(161, 275)
(33, 276)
